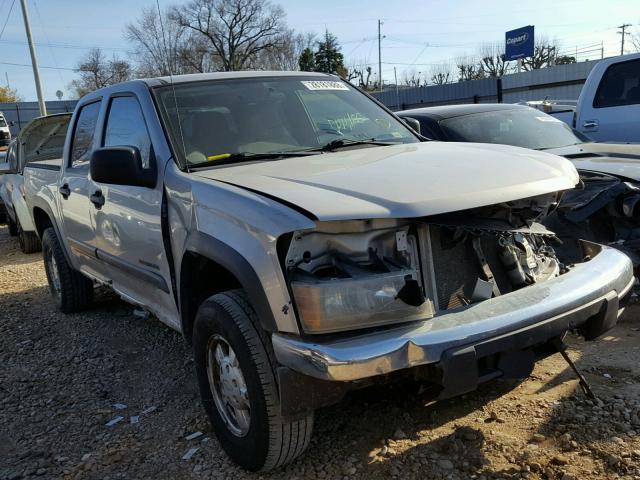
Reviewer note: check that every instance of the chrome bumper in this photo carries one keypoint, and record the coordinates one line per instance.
(589, 291)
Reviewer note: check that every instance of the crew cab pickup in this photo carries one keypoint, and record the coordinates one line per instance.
(608, 108)
(41, 140)
(307, 242)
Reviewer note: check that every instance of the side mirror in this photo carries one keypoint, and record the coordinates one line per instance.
(412, 123)
(121, 166)
(5, 168)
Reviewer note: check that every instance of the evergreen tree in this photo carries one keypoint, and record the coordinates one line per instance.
(328, 58)
(307, 61)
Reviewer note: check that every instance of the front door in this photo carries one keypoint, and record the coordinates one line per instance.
(614, 115)
(127, 218)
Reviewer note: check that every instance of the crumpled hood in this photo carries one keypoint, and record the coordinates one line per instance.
(403, 181)
(613, 158)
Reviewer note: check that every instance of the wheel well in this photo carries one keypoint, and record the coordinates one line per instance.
(200, 278)
(41, 220)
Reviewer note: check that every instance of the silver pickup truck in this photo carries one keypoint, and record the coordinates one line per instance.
(307, 242)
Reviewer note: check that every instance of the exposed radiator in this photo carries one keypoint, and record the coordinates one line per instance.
(457, 268)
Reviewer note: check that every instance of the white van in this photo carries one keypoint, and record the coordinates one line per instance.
(609, 103)
(5, 134)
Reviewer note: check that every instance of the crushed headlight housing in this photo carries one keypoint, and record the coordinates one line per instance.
(348, 303)
(357, 274)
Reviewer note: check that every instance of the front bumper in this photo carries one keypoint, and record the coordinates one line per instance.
(587, 297)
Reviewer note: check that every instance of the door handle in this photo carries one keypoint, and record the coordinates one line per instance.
(97, 199)
(65, 191)
(590, 124)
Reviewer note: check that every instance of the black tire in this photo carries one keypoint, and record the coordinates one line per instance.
(13, 228)
(270, 441)
(29, 241)
(71, 290)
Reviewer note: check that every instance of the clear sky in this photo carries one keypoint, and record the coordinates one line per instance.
(418, 33)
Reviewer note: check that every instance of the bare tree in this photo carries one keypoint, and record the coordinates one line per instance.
(492, 60)
(237, 30)
(545, 52)
(440, 74)
(468, 69)
(360, 72)
(635, 40)
(285, 55)
(412, 78)
(96, 71)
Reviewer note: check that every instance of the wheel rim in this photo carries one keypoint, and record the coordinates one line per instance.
(54, 275)
(228, 386)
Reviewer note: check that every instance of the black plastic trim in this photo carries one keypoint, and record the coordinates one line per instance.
(235, 263)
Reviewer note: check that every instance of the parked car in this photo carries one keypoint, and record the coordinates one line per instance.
(608, 108)
(561, 109)
(307, 243)
(606, 209)
(5, 133)
(3, 210)
(40, 141)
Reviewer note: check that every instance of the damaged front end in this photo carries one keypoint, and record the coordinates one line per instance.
(357, 274)
(604, 209)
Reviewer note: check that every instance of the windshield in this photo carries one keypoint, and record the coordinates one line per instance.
(521, 127)
(219, 118)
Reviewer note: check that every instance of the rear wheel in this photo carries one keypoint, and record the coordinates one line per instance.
(71, 290)
(13, 228)
(29, 241)
(235, 365)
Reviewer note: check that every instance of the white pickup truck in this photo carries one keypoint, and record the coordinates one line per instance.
(608, 108)
(307, 242)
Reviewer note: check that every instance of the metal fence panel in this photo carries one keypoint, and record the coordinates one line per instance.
(21, 113)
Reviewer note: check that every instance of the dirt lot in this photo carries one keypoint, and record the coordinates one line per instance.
(60, 377)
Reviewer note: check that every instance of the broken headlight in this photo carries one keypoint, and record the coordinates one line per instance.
(349, 280)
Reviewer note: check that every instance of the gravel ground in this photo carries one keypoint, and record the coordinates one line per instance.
(62, 378)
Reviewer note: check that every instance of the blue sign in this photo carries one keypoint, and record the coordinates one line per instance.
(519, 43)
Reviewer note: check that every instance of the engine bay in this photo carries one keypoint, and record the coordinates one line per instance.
(369, 272)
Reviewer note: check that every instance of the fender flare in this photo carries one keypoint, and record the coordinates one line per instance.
(235, 263)
(44, 206)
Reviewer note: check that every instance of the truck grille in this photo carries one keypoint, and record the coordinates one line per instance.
(3, 134)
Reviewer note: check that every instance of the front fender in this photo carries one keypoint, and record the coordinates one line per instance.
(233, 261)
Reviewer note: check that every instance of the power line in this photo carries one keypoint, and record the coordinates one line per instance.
(7, 20)
(41, 66)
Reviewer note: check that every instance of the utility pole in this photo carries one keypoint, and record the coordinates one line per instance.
(623, 27)
(34, 60)
(379, 55)
(395, 75)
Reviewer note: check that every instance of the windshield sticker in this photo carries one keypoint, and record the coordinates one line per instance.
(548, 119)
(348, 122)
(324, 85)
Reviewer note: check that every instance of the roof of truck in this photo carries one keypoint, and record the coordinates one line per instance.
(195, 77)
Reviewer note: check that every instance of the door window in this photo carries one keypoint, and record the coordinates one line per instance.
(83, 135)
(126, 126)
(620, 85)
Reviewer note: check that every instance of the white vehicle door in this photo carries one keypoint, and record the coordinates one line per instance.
(613, 114)
(73, 188)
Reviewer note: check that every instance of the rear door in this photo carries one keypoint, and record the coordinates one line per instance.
(613, 114)
(127, 218)
(74, 188)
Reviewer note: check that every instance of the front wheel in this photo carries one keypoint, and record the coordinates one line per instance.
(235, 365)
(71, 290)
